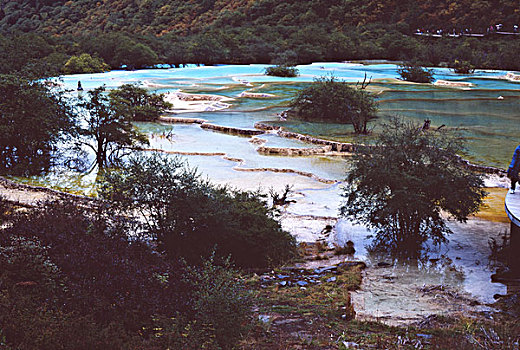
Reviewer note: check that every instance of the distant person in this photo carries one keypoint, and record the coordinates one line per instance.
(514, 168)
(80, 88)
(426, 125)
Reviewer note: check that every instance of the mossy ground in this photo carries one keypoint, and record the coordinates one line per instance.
(320, 316)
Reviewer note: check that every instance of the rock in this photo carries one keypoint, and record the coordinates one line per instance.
(264, 318)
(283, 283)
(383, 264)
(349, 249)
(325, 269)
(350, 344)
(231, 130)
(389, 277)
(326, 230)
(425, 336)
(350, 264)
(302, 283)
(332, 279)
(282, 277)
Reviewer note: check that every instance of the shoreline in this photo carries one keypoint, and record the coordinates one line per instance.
(431, 299)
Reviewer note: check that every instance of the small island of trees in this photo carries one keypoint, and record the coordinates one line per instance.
(332, 100)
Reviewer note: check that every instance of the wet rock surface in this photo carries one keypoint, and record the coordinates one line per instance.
(303, 277)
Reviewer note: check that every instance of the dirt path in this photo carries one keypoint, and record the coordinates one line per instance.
(30, 196)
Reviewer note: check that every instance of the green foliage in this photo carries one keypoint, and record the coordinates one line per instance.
(462, 67)
(33, 120)
(330, 99)
(282, 71)
(401, 185)
(107, 129)
(74, 277)
(190, 218)
(85, 63)
(415, 73)
(141, 34)
(30, 55)
(137, 104)
(219, 300)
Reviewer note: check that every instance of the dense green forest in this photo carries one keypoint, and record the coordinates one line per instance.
(36, 36)
(181, 17)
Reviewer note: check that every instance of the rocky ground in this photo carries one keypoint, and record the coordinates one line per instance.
(304, 306)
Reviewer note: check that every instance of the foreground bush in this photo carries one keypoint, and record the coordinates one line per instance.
(189, 217)
(407, 184)
(72, 279)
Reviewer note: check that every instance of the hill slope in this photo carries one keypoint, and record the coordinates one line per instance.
(187, 16)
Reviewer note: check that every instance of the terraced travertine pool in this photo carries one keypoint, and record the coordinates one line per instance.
(486, 112)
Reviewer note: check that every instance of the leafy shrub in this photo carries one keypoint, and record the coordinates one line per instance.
(137, 104)
(401, 186)
(34, 119)
(85, 63)
(282, 71)
(415, 73)
(72, 279)
(329, 99)
(189, 217)
(462, 67)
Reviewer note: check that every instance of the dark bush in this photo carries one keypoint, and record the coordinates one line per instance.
(190, 217)
(282, 71)
(462, 67)
(415, 73)
(333, 100)
(72, 278)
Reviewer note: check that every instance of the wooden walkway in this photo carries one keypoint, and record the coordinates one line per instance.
(475, 35)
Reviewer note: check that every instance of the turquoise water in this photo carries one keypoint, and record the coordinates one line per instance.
(487, 113)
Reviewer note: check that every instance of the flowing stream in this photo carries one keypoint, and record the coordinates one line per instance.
(485, 108)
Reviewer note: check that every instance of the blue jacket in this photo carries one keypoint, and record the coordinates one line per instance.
(515, 162)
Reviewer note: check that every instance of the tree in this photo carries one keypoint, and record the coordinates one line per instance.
(190, 218)
(462, 67)
(134, 55)
(74, 276)
(334, 100)
(400, 186)
(106, 129)
(85, 63)
(282, 71)
(415, 73)
(137, 104)
(34, 118)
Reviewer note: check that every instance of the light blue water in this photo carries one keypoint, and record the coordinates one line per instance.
(490, 124)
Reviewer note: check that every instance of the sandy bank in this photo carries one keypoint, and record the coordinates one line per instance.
(512, 76)
(255, 95)
(456, 84)
(188, 103)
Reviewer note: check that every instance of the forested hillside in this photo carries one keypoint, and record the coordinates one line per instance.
(158, 17)
(37, 35)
